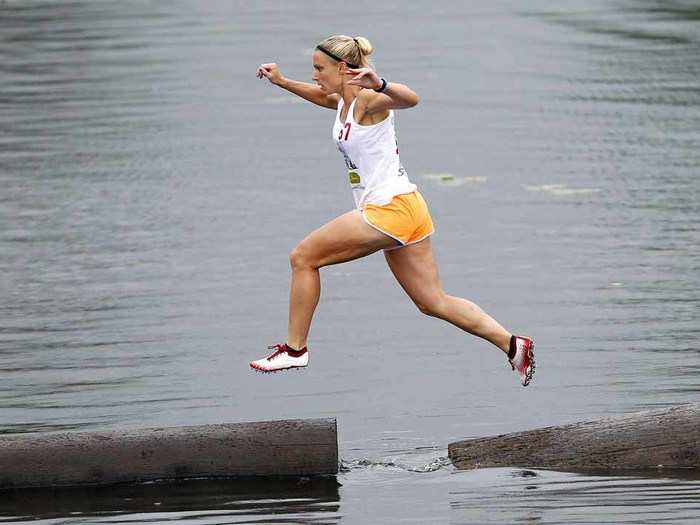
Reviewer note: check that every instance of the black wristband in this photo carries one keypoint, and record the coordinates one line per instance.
(383, 86)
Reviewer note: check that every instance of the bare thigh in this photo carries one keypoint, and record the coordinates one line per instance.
(415, 268)
(345, 238)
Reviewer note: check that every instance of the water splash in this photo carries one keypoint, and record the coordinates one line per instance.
(362, 464)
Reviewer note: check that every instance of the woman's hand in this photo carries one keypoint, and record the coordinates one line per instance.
(364, 77)
(270, 72)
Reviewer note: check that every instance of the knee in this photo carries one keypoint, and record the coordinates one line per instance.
(433, 305)
(300, 258)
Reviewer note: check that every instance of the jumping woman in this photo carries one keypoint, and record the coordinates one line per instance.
(390, 213)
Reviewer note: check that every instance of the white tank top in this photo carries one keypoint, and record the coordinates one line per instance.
(372, 158)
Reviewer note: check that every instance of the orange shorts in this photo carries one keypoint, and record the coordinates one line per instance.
(406, 218)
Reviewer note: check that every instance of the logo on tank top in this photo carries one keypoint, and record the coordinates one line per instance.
(349, 164)
(353, 174)
(402, 170)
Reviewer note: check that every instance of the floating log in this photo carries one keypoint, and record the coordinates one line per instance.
(668, 438)
(270, 448)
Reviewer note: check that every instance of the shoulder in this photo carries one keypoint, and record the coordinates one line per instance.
(374, 105)
(366, 96)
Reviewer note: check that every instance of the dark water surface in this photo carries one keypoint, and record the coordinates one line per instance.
(151, 189)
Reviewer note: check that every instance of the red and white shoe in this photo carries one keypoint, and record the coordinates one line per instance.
(283, 358)
(522, 357)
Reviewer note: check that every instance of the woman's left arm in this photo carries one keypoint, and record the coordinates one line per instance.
(393, 96)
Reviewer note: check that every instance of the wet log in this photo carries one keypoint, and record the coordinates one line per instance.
(270, 448)
(668, 438)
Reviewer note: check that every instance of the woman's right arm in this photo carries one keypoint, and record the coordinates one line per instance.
(310, 92)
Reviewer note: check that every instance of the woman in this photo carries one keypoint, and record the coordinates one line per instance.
(390, 213)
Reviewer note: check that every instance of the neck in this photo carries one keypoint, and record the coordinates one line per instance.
(348, 93)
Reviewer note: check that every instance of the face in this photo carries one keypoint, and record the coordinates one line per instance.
(327, 73)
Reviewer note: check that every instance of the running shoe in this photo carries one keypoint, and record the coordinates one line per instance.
(522, 358)
(283, 358)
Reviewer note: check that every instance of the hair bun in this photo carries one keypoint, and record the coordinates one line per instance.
(363, 45)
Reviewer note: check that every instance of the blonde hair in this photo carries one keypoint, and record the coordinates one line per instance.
(353, 51)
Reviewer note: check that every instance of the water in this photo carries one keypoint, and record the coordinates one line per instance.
(152, 187)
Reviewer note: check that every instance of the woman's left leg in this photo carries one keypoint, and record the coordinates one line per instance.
(415, 268)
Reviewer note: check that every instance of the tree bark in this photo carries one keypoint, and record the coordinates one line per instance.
(668, 438)
(272, 448)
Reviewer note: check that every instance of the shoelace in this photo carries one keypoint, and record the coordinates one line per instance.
(280, 350)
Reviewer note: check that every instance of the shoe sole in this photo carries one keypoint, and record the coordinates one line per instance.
(530, 369)
(263, 371)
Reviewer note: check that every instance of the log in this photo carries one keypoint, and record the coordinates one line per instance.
(664, 438)
(270, 448)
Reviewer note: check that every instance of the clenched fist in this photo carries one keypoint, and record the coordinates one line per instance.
(270, 72)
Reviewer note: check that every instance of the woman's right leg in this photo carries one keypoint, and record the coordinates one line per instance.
(343, 239)
(415, 268)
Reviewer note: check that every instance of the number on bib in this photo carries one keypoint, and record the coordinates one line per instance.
(345, 128)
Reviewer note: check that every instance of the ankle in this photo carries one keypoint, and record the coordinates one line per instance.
(503, 342)
(512, 347)
(294, 352)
